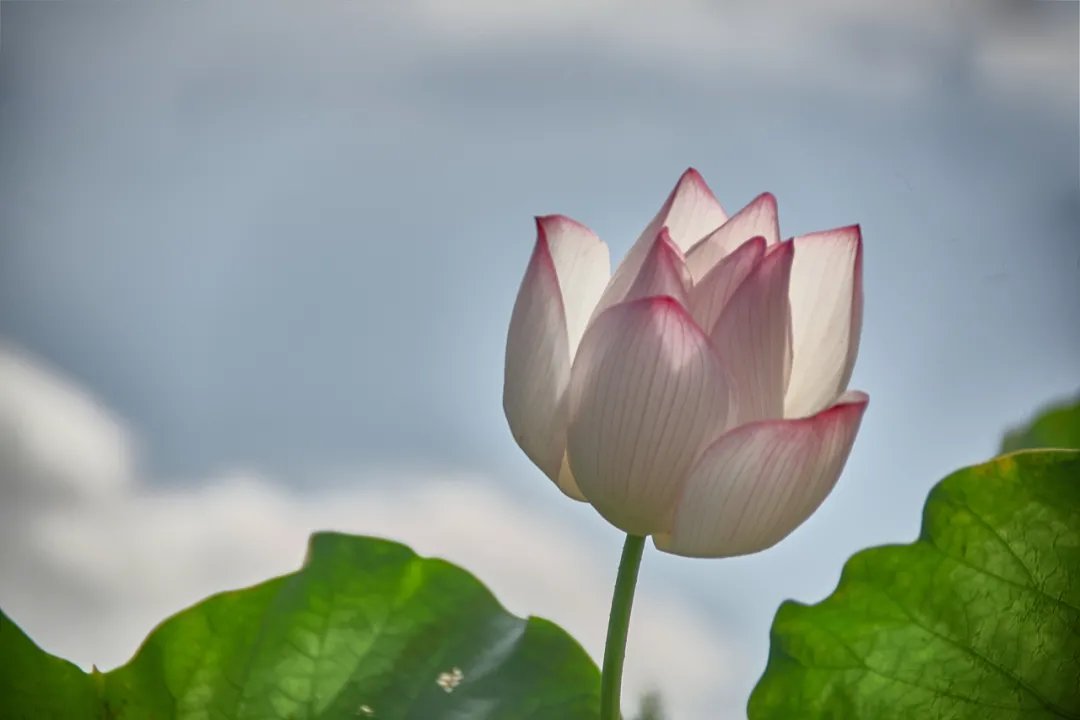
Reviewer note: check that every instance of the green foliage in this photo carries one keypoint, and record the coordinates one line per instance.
(37, 686)
(365, 629)
(1054, 427)
(979, 618)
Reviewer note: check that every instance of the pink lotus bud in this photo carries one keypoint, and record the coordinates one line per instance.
(699, 394)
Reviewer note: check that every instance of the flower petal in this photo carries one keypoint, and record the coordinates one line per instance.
(710, 296)
(826, 317)
(753, 337)
(690, 213)
(538, 350)
(759, 217)
(583, 266)
(759, 482)
(663, 272)
(647, 393)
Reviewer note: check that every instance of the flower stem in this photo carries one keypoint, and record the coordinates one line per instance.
(618, 624)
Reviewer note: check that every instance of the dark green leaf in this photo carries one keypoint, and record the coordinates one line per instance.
(979, 618)
(37, 686)
(365, 629)
(1054, 427)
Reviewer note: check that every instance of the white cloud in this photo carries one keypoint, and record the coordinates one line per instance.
(1033, 64)
(88, 578)
(54, 438)
(893, 53)
(886, 50)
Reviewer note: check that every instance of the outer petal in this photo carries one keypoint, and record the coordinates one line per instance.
(710, 296)
(663, 272)
(753, 336)
(647, 394)
(759, 482)
(690, 213)
(583, 266)
(538, 351)
(826, 316)
(759, 217)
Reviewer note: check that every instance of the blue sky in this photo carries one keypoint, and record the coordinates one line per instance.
(284, 243)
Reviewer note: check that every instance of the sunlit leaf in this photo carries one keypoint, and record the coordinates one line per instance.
(37, 686)
(1054, 427)
(979, 618)
(365, 629)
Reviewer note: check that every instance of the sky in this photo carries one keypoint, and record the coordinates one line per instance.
(257, 265)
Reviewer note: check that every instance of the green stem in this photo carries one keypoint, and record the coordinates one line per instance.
(619, 622)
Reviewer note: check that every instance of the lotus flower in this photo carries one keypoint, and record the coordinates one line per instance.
(699, 394)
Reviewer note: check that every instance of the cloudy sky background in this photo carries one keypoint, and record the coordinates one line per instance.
(257, 264)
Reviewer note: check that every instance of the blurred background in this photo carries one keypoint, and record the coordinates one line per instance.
(257, 263)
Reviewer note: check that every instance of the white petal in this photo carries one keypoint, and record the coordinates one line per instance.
(583, 266)
(566, 481)
(663, 272)
(647, 393)
(826, 318)
(537, 370)
(759, 482)
(710, 296)
(753, 337)
(690, 213)
(758, 218)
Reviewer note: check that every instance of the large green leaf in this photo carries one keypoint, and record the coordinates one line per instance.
(1054, 427)
(36, 685)
(979, 618)
(365, 629)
